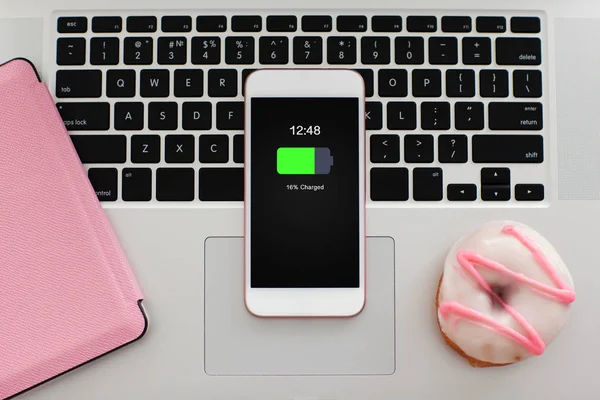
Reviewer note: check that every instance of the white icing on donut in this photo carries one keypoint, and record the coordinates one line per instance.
(516, 309)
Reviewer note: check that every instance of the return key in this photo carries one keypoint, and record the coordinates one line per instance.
(516, 116)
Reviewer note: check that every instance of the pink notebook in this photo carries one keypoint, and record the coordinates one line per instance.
(67, 293)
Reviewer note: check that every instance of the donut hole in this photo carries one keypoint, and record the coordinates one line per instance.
(503, 292)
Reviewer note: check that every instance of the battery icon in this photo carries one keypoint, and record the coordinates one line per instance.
(304, 161)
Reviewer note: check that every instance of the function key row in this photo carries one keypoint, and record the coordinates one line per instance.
(289, 23)
(274, 50)
(171, 184)
(393, 184)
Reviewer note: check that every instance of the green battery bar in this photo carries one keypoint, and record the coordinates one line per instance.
(304, 161)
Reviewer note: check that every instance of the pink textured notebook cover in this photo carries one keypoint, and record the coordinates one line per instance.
(67, 293)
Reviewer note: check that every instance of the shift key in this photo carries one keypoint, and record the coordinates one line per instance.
(516, 116)
(85, 116)
(510, 148)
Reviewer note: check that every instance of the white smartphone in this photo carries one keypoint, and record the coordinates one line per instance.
(304, 202)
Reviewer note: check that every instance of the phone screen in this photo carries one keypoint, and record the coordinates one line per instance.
(305, 201)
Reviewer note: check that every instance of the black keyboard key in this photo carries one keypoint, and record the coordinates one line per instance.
(282, 23)
(197, 116)
(421, 23)
(308, 50)
(527, 83)
(341, 50)
(460, 83)
(495, 193)
(491, 24)
(213, 148)
(428, 184)
(179, 149)
(136, 184)
(141, 24)
(206, 50)
(468, 116)
(351, 23)
(525, 25)
(162, 116)
(78, 83)
(104, 182)
(239, 50)
(145, 149)
(529, 192)
(85, 116)
(452, 149)
(70, 51)
(443, 51)
(457, 24)
(515, 116)
(120, 83)
(373, 116)
(375, 50)
(518, 51)
(238, 148)
(418, 148)
(385, 148)
(246, 23)
(477, 51)
(211, 23)
(175, 184)
(72, 25)
(495, 176)
(154, 82)
(172, 50)
(427, 83)
(273, 50)
(386, 23)
(508, 149)
(188, 83)
(393, 83)
(461, 192)
(316, 23)
(230, 115)
(401, 116)
(245, 74)
(367, 75)
(104, 51)
(129, 116)
(410, 50)
(222, 83)
(138, 50)
(107, 24)
(435, 116)
(176, 23)
(389, 184)
(221, 184)
(493, 83)
(100, 149)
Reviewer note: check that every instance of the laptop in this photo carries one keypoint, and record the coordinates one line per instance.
(505, 128)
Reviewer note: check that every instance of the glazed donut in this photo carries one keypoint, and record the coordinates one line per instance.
(504, 294)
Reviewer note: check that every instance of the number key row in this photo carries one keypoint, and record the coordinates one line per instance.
(275, 50)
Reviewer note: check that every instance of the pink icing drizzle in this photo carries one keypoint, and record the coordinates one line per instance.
(532, 341)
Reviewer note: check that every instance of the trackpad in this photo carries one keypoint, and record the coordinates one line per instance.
(237, 343)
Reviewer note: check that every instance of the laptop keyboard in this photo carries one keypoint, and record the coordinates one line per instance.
(454, 113)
